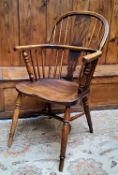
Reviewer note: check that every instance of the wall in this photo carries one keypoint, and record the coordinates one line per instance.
(30, 22)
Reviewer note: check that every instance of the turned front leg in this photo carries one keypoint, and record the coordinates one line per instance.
(14, 120)
(64, 139)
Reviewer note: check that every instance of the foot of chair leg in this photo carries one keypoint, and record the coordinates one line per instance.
(87, 113)
(14, 120)
(61, 164)
(10, 140)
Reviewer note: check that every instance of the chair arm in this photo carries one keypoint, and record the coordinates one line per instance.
(91, 57)
(54, 46)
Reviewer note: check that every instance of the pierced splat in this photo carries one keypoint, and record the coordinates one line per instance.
(72, 63)
(86, 75)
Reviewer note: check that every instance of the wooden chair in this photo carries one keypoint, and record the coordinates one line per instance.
(77, 37)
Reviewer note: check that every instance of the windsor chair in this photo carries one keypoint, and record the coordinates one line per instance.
(76, 38)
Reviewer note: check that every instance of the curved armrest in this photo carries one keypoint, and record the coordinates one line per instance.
(91, 57)
(54, 46)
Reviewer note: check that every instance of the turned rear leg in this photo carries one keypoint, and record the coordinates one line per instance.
(87, 113)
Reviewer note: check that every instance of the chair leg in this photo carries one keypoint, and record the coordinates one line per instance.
(14, 120)
(87, 113)
(65, 132)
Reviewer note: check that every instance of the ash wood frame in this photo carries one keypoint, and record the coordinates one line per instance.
(86, 74)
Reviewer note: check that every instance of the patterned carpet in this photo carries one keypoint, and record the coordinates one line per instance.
(37, 145)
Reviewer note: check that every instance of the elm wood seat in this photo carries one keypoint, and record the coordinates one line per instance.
(65, 91)
(77, 37)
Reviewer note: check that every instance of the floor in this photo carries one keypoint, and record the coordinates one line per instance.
(36, 147)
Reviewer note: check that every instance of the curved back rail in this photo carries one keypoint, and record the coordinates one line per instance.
(74, 35)
(82, 28)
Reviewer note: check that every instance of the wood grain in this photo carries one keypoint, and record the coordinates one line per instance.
(22, 21)
(20, 73)
(112, 53)
(54, 10)
(32, 22)
(104, 8)
(8, 32)
(80, 5)
(65, 91)
(110, 95)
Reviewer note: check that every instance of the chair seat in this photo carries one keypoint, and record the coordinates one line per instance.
(54, 90)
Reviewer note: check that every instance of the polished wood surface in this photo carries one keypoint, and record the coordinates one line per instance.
(52, 90)
(68, 42)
